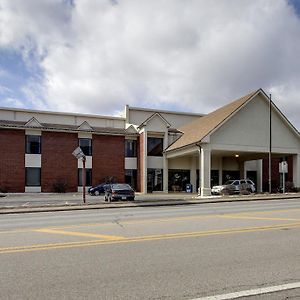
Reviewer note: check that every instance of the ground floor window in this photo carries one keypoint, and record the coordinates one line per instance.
(178, 179)
(33, 176)
(230, 175)
(131, 178)
(88, 177)
(214, 178)
(154, 180)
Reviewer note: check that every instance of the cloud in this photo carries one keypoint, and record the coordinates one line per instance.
(192, 55)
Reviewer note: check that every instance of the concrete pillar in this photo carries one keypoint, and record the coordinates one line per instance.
(259, 168)
(204, 167)
(193, 168)
(296, 170)
(220, 170)
(165, 174)
(145, 167)
(165, 164)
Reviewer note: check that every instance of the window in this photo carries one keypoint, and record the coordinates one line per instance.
(130, 148)
(154, 180)
(88, 177)
(178, 180)
(33, 176)
(33, 144)
(131, 178)
(86, 146)
(154, 146)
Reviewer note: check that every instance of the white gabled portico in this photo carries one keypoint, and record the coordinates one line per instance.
(231, 136)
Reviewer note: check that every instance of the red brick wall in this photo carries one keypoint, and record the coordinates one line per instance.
(275, 176)
(12, 160)
(58, 163)
(108, 158)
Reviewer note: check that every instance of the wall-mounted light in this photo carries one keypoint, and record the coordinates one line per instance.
(236, 155)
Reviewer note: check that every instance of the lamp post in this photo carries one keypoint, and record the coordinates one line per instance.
(78, 153)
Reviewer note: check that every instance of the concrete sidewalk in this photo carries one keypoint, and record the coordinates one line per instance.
(46, 202)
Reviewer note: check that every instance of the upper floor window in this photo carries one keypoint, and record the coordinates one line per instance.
(155, 146)
(86, 146)
(33, 144)
(130, 148)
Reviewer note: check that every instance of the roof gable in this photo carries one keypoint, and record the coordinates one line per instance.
(250, 128)
(85, 126)
(200, 128)
(152, 117)
(33, 122)
(131, 129)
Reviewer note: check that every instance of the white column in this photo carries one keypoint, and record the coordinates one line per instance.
(205, 174)
(193, 168)
(259, 170)
(296, 170)
(144, 182)
(165, 164)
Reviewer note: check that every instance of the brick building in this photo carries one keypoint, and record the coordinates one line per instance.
(152, 150)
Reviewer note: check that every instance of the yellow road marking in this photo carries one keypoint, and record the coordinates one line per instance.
(162, 220)
(255, 218)
(83, 234)
(146, 238)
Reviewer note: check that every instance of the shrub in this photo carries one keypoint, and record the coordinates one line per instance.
(3, 189)
(60, 186)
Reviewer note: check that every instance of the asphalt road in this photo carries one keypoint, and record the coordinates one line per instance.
(178, 252)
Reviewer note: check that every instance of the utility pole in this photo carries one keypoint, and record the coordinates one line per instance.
(270, 144)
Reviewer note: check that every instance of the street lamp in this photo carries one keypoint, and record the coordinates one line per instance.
(78, 153)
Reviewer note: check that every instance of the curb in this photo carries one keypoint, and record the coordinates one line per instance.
(169, 202)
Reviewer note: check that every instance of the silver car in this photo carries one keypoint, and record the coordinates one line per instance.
(234, 187)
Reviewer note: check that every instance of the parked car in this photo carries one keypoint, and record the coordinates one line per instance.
(234, 187)
(119, 191)
(97, 190)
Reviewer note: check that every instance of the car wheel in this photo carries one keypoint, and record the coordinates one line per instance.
(97, 193)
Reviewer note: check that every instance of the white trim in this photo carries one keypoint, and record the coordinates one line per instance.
(33, 189)
(164, 111)
(61, 113)
(88, 163)
(33, 132)
(33, 160)
(131, 163)
(85, 135)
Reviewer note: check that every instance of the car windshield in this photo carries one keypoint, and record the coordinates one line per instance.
(121, 187)
(229, 182)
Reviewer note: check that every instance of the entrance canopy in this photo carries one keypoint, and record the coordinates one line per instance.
(238, 132)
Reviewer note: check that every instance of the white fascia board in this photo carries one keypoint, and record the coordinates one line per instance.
(182, 151)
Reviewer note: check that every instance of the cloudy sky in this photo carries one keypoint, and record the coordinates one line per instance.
(95, 56)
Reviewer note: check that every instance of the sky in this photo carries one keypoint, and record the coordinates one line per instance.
(95, 56)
